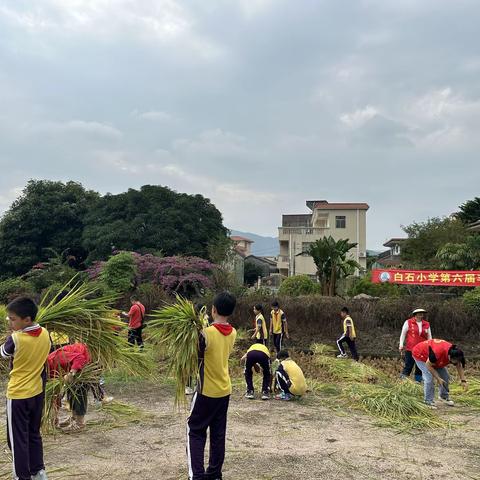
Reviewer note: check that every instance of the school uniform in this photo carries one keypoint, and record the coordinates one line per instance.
(258, 354)
(413, 333)
(27, 350)
(210, 402)
(349, 340)
(290, 378)
(261, 324)
(62, 361)
(278, 320)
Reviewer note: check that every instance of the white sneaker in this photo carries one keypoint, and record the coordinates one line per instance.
(342, 355)
(107, 400)
(41, 475)
(189, 391)
(431, 405)
(447, 401)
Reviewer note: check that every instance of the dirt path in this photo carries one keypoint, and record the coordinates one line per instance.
(266, 441)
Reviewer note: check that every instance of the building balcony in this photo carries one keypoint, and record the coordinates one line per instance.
(283, 261)
(284, 233)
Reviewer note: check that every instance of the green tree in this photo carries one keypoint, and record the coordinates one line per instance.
(469, 211)
(460, 256)
(46, 215)
(13, 287)
(251, 273)
(330, 257)
(152, 219)
(366, 286)
(220, 250)
(56, 270)
(119, 273)
(299, 285)
(425, 239)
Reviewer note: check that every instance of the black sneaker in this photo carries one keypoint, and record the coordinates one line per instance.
(250, 395)
(265, 396)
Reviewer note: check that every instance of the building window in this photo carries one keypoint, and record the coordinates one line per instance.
(341, 221)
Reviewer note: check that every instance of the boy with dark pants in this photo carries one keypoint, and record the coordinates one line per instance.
(349, 335)
(136, 316)
(278, 326)
(27, 348)
(289, 378)
(210, 401)
(257, 355)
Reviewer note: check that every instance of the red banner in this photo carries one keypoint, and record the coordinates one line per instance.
(447, 278)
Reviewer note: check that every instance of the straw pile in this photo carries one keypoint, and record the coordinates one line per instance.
(396, 404)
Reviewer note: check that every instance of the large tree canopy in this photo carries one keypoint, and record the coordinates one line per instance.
(50, 218)
(47, 216)
(470, 211)
(153, 219)
(425, 239)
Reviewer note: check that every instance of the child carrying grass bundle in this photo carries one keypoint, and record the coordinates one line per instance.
(210, 402)
(68, 362)
(194, 349)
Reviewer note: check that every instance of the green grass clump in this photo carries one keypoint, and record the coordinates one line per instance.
(470, 398)
(398, 406)
(177, 328)
(344, 369)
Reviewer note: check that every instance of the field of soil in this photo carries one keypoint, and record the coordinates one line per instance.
(303, 439)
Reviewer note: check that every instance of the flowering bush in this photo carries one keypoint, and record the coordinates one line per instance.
(177, 274)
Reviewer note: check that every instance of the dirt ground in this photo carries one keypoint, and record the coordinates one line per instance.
(266, 441)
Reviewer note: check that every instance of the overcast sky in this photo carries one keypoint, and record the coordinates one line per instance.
(257, 104)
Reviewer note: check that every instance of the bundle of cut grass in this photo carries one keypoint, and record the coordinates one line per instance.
(177, 327)
(343, 370)
(397, 406)
(470, 398)
(84, 317)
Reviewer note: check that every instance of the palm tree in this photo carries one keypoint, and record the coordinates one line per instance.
(330, 257)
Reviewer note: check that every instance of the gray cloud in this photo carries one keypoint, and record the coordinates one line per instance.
(257, 104)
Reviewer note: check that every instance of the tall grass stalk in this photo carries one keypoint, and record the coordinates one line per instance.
(177, 328)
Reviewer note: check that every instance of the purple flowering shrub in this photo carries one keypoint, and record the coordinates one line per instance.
(174, 274)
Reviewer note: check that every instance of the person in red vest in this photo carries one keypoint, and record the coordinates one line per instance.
(415, 330)
(432, 358)
(69, 361)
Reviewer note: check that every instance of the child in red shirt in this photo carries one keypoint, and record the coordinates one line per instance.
(136, 316)
(69, 361)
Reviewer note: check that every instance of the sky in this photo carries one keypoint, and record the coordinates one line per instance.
(259, 105)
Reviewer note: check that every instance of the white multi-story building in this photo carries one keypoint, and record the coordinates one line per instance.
(298, 232)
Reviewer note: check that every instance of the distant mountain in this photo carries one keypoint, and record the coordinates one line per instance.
(374, 253)
(263, 246)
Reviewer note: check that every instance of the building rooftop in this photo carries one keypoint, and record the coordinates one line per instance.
(324, 205)
(475, 226)
(394, 241)
(236, 238)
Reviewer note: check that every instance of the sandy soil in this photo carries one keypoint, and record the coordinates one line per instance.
(266, 441)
